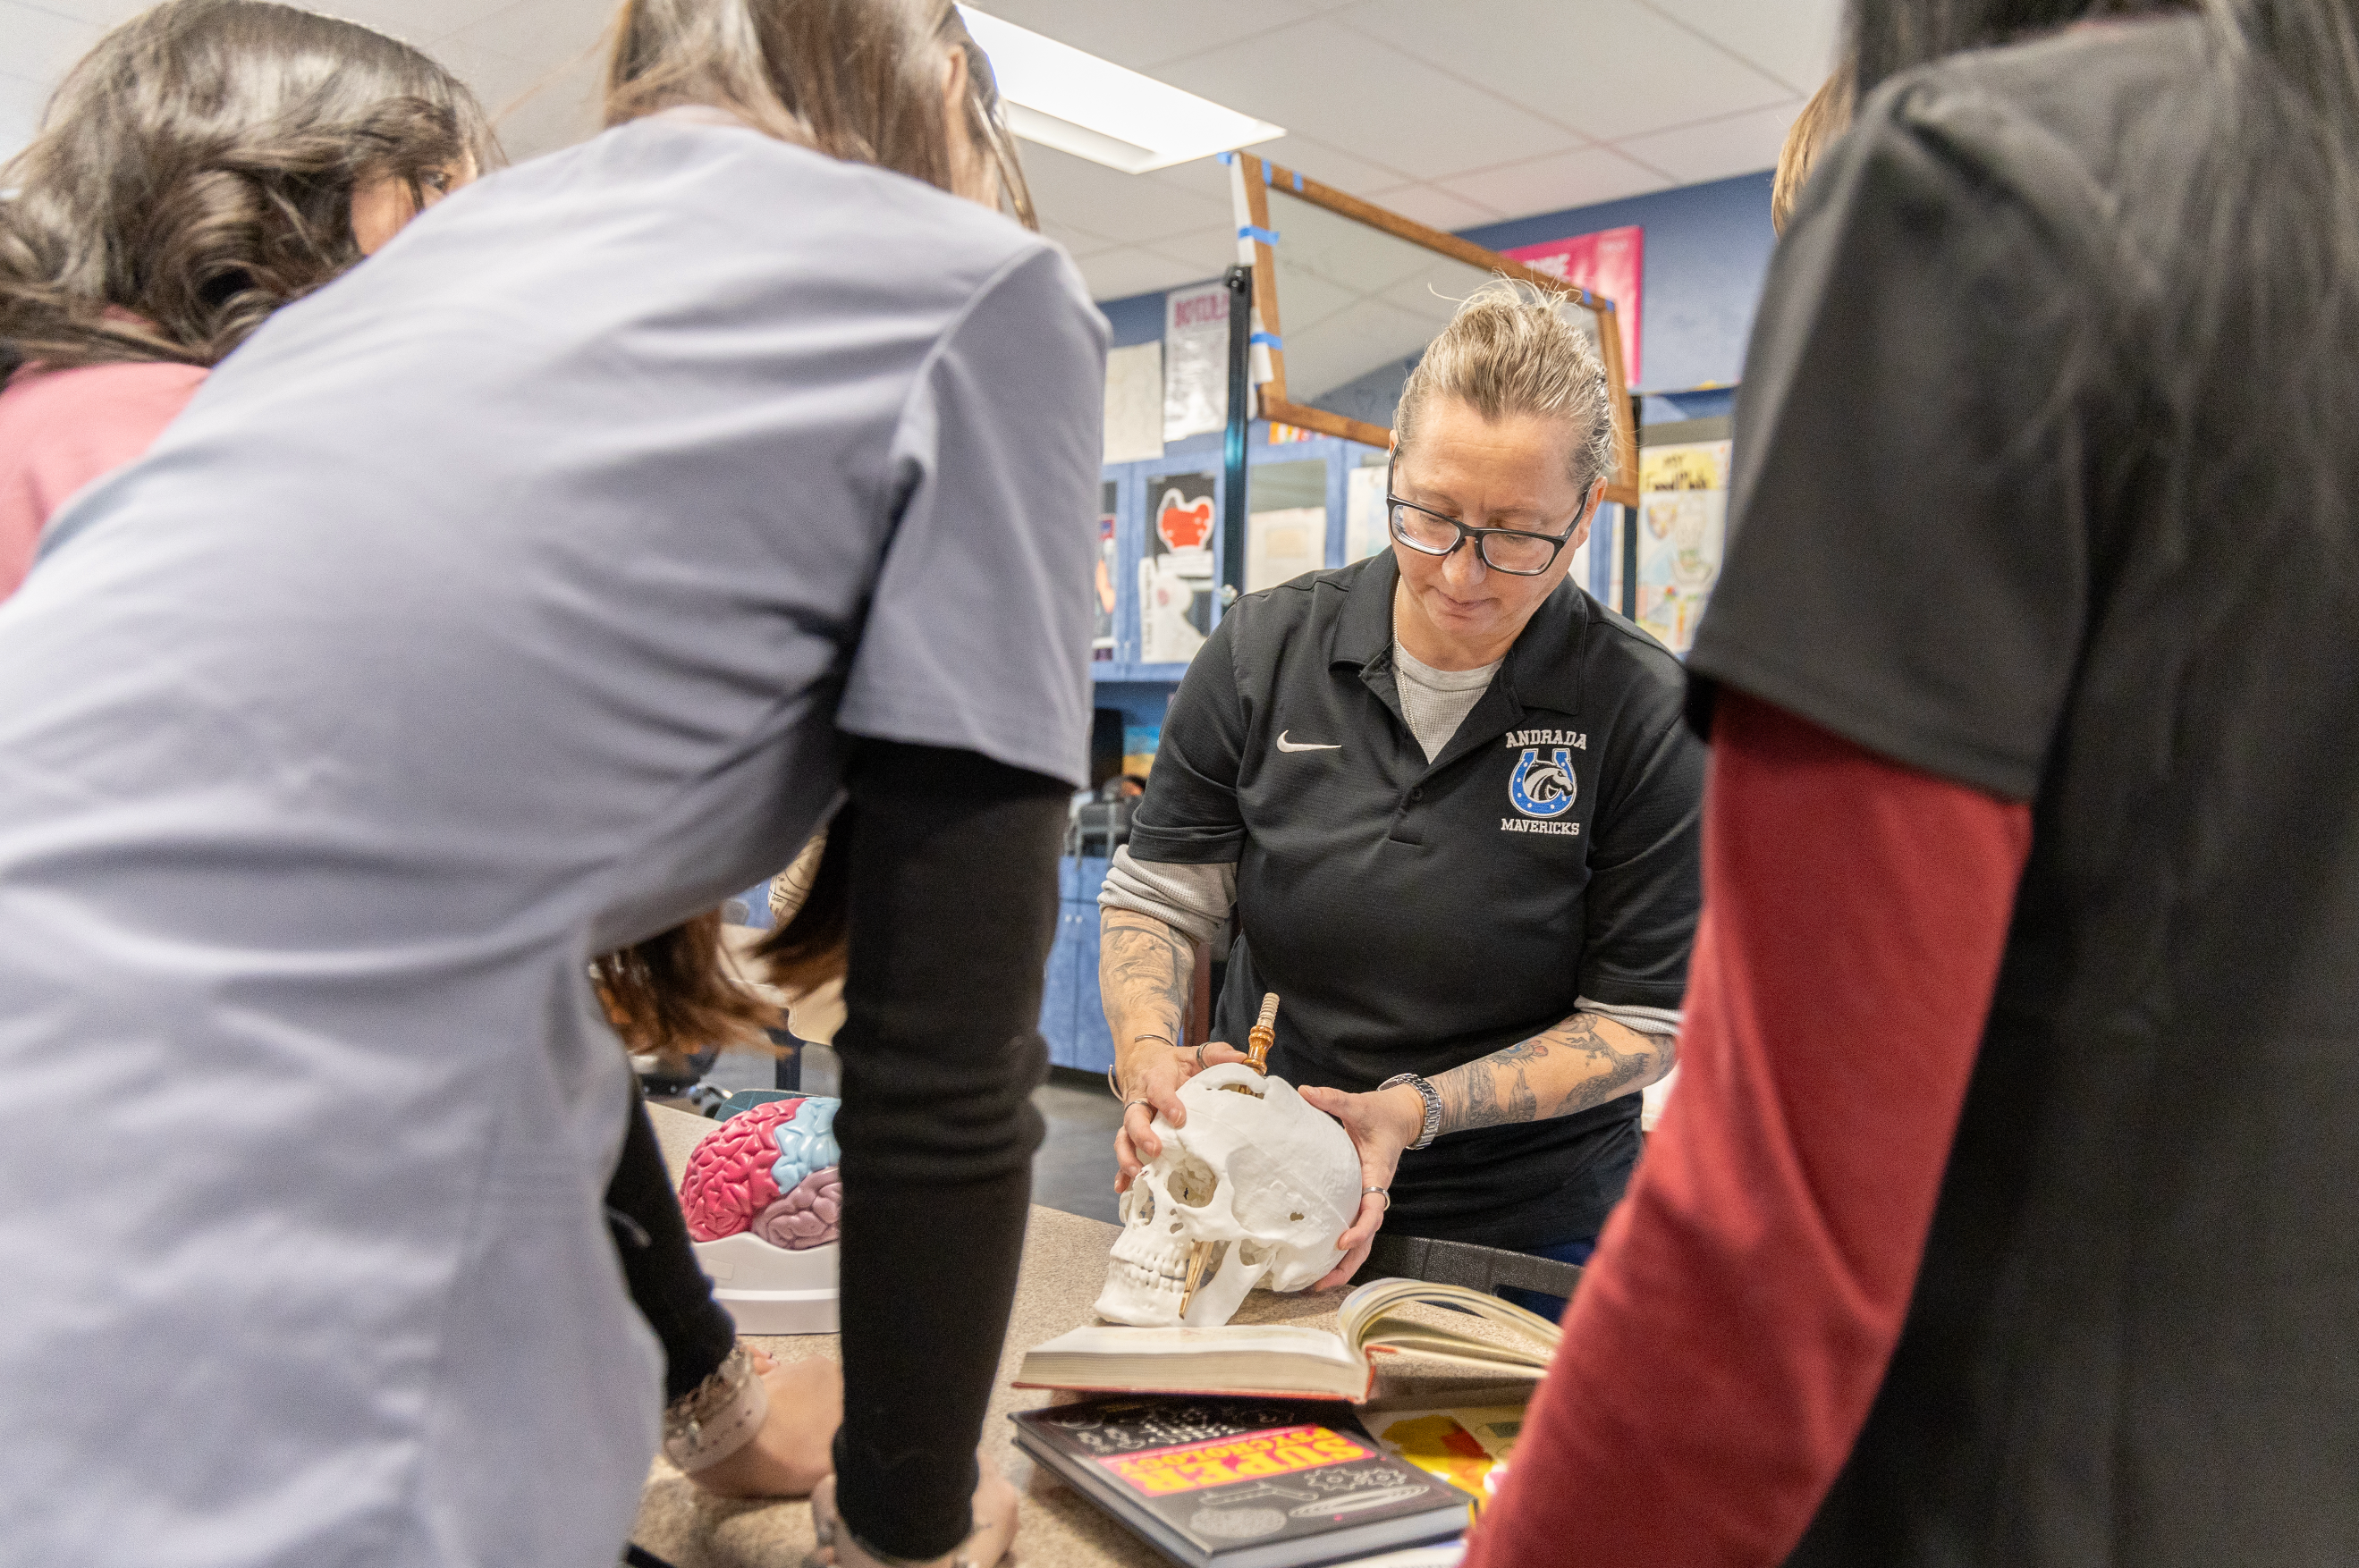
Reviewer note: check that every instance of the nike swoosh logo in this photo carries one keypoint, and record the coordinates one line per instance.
(1286, 745)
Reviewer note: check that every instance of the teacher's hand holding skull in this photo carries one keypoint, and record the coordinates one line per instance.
(1382, 1125)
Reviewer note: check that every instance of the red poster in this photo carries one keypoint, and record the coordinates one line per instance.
(1611, 262)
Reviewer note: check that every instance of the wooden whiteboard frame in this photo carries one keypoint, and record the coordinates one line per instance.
(1622, 486)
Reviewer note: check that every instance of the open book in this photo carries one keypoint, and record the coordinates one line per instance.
(1280, 1359)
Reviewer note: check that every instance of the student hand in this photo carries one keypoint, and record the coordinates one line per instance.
(1381, 1125)
(994, 1525)
(1157, 1080)
(794, 1450)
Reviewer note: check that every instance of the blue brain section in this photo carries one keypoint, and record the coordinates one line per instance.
(806, 1142)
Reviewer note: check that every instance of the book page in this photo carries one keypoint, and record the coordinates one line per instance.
(1233, 1339)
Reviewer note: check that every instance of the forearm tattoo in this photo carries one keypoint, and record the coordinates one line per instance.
(1557, 1072)
(1147, 970)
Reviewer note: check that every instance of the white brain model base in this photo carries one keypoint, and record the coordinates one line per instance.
(1262, 1176)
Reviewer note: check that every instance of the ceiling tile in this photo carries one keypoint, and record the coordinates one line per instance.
(40, 46)
(1119, 274)
(1122, 207)
(1207, 255)
(1077, 243)
(1436, 207)
(21, 113)
(417, 22)
(1551, 184)
(1794, 40)
(1144, 35)
(499, 81)
(1374, 101)
(104, 13)
(1328, 165)
(562, 109)
(554, 31)
(1608, 69)
(1716, 149)
(1204, 177)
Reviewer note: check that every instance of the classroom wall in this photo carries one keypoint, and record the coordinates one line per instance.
(1707, 256)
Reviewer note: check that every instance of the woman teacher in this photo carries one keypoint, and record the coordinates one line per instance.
(1451, 802)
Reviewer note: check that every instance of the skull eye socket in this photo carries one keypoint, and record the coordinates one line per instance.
(1191, 1182)
(1138, 1205)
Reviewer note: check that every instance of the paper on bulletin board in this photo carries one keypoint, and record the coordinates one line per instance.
(1282, 544)
(1134, 403)
(1611, 262)
(1102, 592)
(1683, 535)
(1175, 574)
(1195, 360)
(1364, 514)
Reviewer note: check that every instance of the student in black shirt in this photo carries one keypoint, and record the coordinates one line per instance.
(1452, 804)
(2009, 1211)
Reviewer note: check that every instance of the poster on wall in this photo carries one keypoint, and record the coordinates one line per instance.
(1364, 532)
(1134, 403)
(1195, 360)
(1175, 574)
(1283, 544)
(1682, 531)
(1101, 641)
(1611, 262)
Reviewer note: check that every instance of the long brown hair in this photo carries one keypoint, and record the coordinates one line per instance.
(195, 171)
(678, 993)
(1822, 121)
(858, 80)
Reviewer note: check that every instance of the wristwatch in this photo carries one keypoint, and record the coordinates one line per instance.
(1432, 1099)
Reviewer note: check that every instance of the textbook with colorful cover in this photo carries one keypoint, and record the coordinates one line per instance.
(1293, 1362)
(1242, 1483)
(1467, 1446)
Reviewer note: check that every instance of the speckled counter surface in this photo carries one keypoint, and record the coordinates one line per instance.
(1065, 1268)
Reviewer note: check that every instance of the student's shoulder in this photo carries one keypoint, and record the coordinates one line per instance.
(834, 227)
(36, 398)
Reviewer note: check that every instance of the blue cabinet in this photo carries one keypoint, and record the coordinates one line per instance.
(1071, 1019)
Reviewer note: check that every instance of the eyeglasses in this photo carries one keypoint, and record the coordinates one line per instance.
(1509, 550)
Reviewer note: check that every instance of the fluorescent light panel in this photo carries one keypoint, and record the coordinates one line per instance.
(1065, 98)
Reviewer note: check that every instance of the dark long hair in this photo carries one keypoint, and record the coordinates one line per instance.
(195, 171)
(2253, 346)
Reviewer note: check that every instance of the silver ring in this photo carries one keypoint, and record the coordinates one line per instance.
(1386, 1191)
(1200, 1055)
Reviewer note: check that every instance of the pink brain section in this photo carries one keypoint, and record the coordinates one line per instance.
(805, 1217)
(729, 1184)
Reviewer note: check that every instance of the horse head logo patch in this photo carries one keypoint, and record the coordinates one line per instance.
(1544, 788)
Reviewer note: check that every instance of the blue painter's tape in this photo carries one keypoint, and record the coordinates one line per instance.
(1298, 182)
(1256, 232)
(1226, 157)
(1270, 339)
(1269, 175)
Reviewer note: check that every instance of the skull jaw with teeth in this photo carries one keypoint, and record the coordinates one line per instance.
(1259, 1178)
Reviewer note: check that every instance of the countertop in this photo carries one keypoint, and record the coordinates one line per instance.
(1065, 1268)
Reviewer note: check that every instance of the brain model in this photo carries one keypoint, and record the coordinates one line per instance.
(770, 1170)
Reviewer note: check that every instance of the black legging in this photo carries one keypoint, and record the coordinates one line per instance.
(953, 909)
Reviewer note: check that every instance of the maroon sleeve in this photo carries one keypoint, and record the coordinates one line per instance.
(1728, 1338)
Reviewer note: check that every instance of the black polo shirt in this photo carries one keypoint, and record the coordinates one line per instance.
(1416, 915)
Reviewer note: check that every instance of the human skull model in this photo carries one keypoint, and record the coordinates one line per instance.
(1265, 1178)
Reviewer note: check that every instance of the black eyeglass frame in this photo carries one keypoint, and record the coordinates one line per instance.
(1557, 541)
